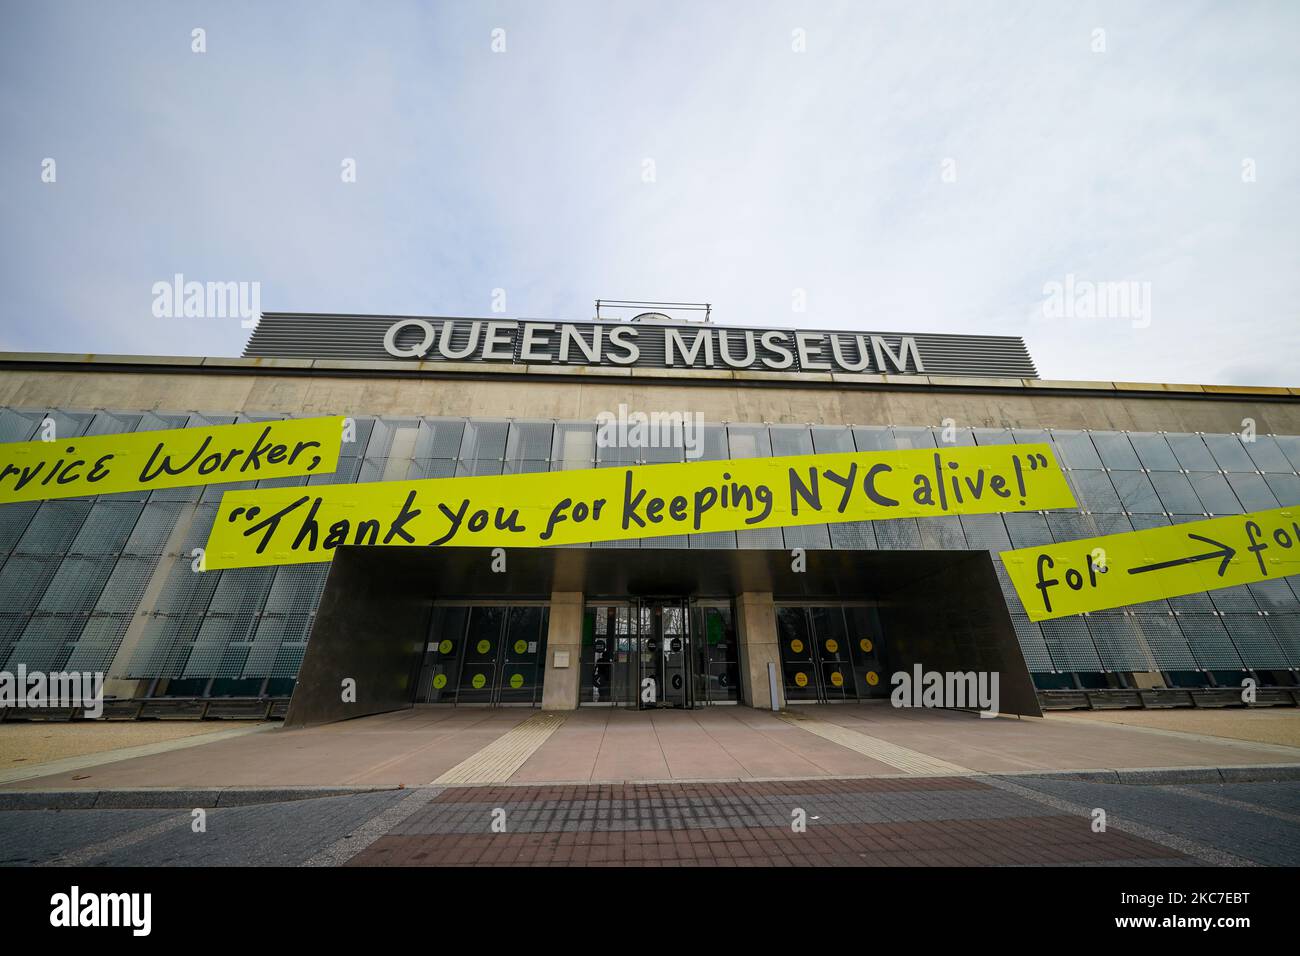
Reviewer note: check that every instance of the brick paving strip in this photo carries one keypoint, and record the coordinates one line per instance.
(896, 821)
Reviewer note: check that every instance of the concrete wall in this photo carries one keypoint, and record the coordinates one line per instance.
(561, 685)
(776, 397)
(757, 639)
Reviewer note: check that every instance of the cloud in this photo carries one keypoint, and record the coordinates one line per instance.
(775, 171)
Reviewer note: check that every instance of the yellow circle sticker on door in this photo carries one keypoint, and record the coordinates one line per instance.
(478, 681)
(873, 678)
(439, 681)
(796, 646)
(516, 681)
(866, 645)
(521, 647)
(832, 646)
(837, 679)
(444, 647)
(484, 646)
(801, 679)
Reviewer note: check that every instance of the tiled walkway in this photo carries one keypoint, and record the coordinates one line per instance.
(944, 821)
(415, 747)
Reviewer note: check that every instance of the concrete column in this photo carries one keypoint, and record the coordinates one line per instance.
(561, 684)
(756, 630)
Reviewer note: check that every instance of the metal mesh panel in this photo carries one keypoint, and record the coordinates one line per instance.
(16, 426)
(898, 534)
(1070, 644)
(1209, 641)
(107, 527)
(164, 646)
(101, 636)
(713, 539)
(272, 631)
(942, 534)
(985, 533)
(1118, 642)
(208, 654)
(1237, 600)
(126, 585)
(1286, 631)
(1032, 644)
(53, 527)
(23, 580)
(1027, 530)
(14, 520)
(77, 585)
(47, 641)
(153, 528)
(807, 536)
(1165, 640)
(853, 536)
(1255, 641)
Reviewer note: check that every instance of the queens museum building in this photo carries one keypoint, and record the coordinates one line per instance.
(760, 617)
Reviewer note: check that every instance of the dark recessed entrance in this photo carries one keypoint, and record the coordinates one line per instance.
(653, 653)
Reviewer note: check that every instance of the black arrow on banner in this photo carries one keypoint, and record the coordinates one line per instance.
(1225, 552)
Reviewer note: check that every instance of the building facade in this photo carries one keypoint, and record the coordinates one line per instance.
(109, 583)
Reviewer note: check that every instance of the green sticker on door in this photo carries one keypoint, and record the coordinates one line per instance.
(521, 647)
(444, 647)
(484, 646)
(517, 680)
(439, 681)
(479, 679)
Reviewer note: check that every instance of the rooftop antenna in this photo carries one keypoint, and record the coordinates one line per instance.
(649, 312)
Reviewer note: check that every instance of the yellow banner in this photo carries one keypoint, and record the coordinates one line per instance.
(1056, 580)
(175, 458)
(296, 525)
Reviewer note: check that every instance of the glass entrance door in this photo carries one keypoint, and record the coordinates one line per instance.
(637, 653)
(830, 652)
(484, 654)
(665, 655)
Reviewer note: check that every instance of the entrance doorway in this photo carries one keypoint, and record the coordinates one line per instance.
(656, 652)
(485, 654)
(830, 652)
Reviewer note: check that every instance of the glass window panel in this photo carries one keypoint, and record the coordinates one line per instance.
(1229, 452)
(529, 441)
(1176, 493)
(749, 441)
(1267, 455)
(874, 439)
(1252, 491)
(442, 437)
(914, 438)
(1154, 451)
(484, 439)
(1094, 491)
(1289, 446)
(714, 443)
(17, 426)
(1076, 449)
(1285, 488)
(1215, 493)
(574, 446)
(1115, 451)
(791, 440)
(994, 436)
(829, 439)
(1192, 453)
(1027, 530)
(1135, 491)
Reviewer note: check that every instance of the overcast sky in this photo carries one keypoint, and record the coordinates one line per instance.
(918, 166)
